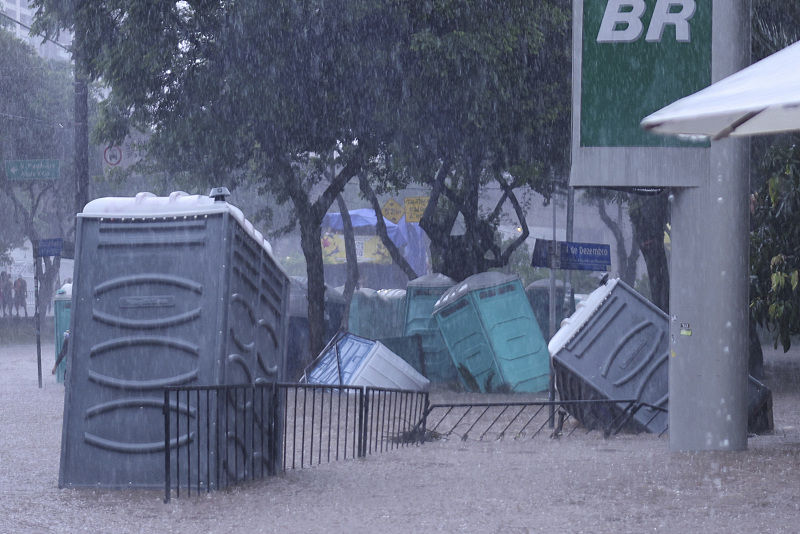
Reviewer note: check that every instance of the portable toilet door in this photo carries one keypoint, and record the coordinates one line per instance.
(421, 296)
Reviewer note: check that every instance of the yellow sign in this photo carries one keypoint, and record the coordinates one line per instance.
(392, 210)
(415, 207)
(369, 249)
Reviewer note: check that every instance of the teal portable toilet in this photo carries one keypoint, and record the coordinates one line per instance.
(62, 308)
(377, 314)
(421, 296)
(538, 294)
(489, 328)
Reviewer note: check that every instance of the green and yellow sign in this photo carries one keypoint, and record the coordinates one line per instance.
(637, 57)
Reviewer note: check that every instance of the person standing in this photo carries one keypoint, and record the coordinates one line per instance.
(20, 295)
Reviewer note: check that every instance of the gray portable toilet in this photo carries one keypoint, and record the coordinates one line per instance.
(615, 346)
(177, 290)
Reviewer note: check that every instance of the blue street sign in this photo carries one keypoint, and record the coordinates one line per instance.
(571, 255)
(48, 247)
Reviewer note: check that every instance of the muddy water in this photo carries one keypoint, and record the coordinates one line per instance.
(629, 483)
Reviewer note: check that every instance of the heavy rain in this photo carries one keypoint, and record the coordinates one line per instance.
(456, 265)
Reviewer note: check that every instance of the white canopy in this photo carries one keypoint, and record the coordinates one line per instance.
(762, 98)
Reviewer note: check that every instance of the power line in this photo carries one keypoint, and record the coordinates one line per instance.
(15, 21)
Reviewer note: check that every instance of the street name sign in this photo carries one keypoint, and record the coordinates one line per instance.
(571, 255)
(32, 169)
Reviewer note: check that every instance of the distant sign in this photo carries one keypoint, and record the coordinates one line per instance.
(415, 207)
(369, 249)
(112, 155)
(571, 255)
(48, 247)
(32, 169)
(392, 210)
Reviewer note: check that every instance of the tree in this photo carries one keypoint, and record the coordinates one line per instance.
(485, 94)
(35, 124)
(245, 90)
(775, 238)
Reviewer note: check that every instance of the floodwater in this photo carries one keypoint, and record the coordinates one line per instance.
(583, 483)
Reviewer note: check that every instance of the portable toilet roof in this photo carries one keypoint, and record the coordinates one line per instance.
(492, 334)
(351, 360)
(615, 346)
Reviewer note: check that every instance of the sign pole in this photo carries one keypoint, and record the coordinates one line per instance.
(551, 396)
(36, 312)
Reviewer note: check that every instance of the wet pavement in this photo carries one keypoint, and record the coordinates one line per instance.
(584, 483)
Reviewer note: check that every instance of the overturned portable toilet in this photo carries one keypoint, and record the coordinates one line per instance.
(168, 291)
(616, 346)
(351, 360)
(375, 314)
(421, 295)
(492, 335)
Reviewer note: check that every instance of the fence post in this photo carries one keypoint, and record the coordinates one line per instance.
(362, 422)
(425, 417)
(167, 481)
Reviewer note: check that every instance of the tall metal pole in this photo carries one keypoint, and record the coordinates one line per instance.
(709, 286)
(36, 322)
(551, 396)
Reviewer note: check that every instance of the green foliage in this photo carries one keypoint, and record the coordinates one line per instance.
(775, 245)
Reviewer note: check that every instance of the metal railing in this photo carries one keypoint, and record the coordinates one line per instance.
(216, 436)
(524, 420)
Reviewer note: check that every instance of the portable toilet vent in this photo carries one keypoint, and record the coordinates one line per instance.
(177, 290)
(491, 333)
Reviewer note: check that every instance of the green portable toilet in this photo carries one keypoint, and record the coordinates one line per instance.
(62, 303)
(377, 314)
(489, 328)
(421, 295)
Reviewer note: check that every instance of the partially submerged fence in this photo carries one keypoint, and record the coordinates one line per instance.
(217, 436)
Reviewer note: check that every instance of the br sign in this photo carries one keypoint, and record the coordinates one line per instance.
(632, 57)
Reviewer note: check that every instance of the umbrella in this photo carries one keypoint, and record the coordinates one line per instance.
(762, 98)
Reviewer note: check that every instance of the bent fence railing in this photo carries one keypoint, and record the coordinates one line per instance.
(528, 419)
(217, 436)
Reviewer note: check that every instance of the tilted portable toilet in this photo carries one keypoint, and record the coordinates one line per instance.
(177, 290)
(352, 360)
(491, 333)
(421, 296)
(62, 308)
(615, 346)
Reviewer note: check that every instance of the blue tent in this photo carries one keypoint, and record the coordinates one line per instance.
(402, 234)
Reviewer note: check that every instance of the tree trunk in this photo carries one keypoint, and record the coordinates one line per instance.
(352, 261)
(310, 235)
(648, 216)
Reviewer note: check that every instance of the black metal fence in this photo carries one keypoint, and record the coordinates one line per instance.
(527, 419)
(216, 436)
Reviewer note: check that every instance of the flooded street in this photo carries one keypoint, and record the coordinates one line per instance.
(583, 483)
